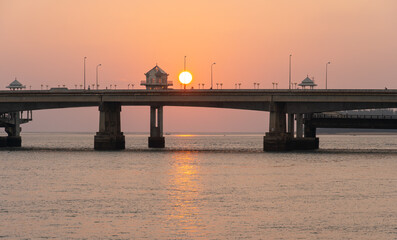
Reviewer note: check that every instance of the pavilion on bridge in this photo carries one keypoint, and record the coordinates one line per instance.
(16, 85)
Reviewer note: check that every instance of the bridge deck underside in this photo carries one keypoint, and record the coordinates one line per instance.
(294, 101)
(302, 107)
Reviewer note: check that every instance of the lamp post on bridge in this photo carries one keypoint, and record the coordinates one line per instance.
(211, 73)
(326, 75)
(289, 85)
(97, 75)
(84, 71)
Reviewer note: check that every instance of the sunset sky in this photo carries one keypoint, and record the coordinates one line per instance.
(45, 41)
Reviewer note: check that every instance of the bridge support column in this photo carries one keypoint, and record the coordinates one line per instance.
(309, 129)
(312, 142)
(156, 139)
(291, 125)
(109, 136)
(14, 132)
(299, 125)
(277, 139)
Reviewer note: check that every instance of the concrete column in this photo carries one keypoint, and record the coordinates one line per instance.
(308, 140)
(14, 132)
(156, 139)
(277, 120)
(277, 139)
(309, 129)
(310, 132)
(291, 127)
(299, 125)
(109, 136)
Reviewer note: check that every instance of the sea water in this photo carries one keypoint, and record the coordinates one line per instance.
(219, 186)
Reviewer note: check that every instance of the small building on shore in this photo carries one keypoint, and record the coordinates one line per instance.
(307, 82)
(16, 85)
(156, 78)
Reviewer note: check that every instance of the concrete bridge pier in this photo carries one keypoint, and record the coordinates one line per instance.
(291, 124)
(109, 136)
(14, 132)
(305, 135)
(156, 139)
(277, 139)
(312, 142)
(309, 129)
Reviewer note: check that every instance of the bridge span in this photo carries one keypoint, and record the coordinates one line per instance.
(287, 128)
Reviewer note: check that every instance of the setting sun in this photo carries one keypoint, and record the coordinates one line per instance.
(185, 77)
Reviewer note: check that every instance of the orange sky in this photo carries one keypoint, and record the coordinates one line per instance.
(44, 42)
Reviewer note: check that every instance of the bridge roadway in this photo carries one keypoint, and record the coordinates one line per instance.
(280, 104)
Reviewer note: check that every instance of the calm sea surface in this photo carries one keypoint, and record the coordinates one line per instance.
(199, 187)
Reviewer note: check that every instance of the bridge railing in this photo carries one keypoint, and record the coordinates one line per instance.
(24, 116)
(169, 83)
(355, 116)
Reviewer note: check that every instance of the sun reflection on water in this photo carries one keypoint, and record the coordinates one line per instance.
(184, 192)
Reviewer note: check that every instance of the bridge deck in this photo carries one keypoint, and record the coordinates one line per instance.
(296, 101)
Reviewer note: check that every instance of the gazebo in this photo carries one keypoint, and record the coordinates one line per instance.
(307, 82)
(16, 85)
(156, 78)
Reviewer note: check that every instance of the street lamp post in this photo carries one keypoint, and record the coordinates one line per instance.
(84, 71)
(289, 85)
(326, 75)
(211, 73)
(97, 75)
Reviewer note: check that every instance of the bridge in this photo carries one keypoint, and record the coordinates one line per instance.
(291, 124)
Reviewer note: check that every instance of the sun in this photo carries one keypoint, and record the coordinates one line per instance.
(185, 77)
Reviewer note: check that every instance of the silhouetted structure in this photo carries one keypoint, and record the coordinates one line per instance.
(156, 78)
(307, 82)
(16, 85)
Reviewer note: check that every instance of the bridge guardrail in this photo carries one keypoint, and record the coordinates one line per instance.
(355, 116)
